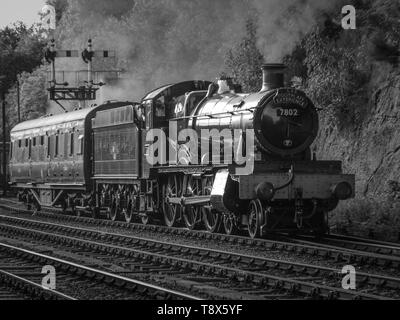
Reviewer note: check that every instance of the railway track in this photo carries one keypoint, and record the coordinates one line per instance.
(256, 277)
(352, 243)
(16, 287)
(363, 253)
(20, 270)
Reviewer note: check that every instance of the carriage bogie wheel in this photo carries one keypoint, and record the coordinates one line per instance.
(145, 219)
(127, 214)
(113, 212)
(75, 212)
(35, 207)
(63, 206)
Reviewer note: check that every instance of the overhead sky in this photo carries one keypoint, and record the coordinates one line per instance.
(20, 10)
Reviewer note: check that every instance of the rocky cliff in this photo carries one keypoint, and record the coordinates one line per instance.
(370, 149)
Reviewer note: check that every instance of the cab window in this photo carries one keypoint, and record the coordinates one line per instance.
(159, 107)
(193, 100)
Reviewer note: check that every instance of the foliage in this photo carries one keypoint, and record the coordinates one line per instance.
(21, 52)
(33, 97)
(337, 77)
(363, 215)
(245, 59)
(336, 65)
(21, 49)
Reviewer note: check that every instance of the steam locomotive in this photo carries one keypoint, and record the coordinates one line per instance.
(96, 160)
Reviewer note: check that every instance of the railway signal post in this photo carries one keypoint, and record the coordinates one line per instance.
(63, 91)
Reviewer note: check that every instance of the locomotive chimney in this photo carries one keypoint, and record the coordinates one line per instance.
(273, 76)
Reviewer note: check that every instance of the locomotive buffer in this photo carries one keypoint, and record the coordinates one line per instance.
(62, 91)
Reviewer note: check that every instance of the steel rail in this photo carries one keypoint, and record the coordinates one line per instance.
(31, 288)
(293, 285)
(288, 245)
(125, 284)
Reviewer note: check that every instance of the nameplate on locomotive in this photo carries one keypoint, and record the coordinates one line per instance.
(290, 97)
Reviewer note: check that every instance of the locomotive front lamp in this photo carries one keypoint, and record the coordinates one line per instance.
(342, 190)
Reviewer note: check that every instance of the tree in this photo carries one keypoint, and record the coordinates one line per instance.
(244, 61)
(33, 96)
(21, 52)
(21, 49)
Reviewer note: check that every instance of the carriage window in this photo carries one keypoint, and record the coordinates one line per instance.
(57, 144)
(34, 142)
(56, 151)
(26, 143)
(19, 143)
(71, 144)
(61, 144)
(42, 140)
(48, 146)
(30, 149)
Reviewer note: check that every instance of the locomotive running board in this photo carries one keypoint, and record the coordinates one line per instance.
(187, 201)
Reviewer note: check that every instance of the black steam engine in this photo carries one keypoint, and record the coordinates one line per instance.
(96, 160)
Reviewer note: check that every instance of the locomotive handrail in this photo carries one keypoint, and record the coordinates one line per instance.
(213, 116)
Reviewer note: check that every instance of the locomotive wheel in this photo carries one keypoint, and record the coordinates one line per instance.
(191, 216)
(171, 211)
(132, 209)
(255, 218)
(212, 220)
(229, 223)
(192, 213)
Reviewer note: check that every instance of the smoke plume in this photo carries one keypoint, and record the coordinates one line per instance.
(162, 41)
